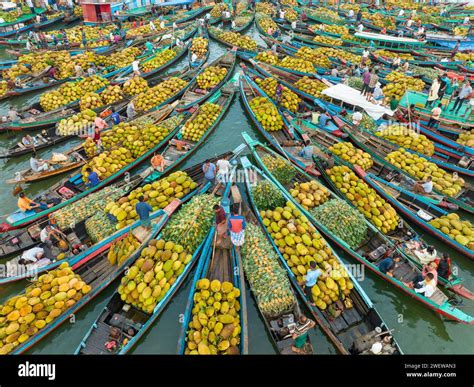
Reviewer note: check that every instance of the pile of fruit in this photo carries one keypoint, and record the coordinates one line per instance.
(84, 208)
(157, 194)
(424, 71)
(241, 6)
(350, 6)
(367, 201)
(243, 19)
(459, 230)
(44, 300)
(77, 11)
(393, 55)
(326, 40)
(36, 62)
(158, 94)
(111, 95)
(280, 168)
(268, 280)
(289, 100)
(91, 101)
(108, 162)
(355, 156)
(298, 64)
(400, 83)
(291, 15)
(266, 195)
(380, 21)
(464, 56)
(265, 8)
(143, 30)
(200, 46)
(215, 325)
(340, 54)
(121, 58)
(309, 194)
(466, 138)
(211, 77)
(291, 3)
(459, 31)
(367, 122)
(355, 82)
(99, 226)
(267, 57)
(120, 250)
(71, 91)
(324, 13)
(244, 42)
(407, 138)
(3, 88)
(420, 168)
(314, 56)
(76, 124)
(342, 220)
(266, 113)
(151, 276)
(191, 224)
(300, 243)
(158, 60)
(194, 129)
(310, 86)
(134, 86)
(336, 30)
(265, 23)
(217, 10)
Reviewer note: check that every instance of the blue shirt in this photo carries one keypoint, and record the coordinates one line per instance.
(210, 174)
(312, 277)
(93, 179)
(143, 210)
(323, 119)
(386, 264)
(115, 118)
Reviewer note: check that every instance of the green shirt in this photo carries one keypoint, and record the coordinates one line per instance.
(300, 341)
(393, 104)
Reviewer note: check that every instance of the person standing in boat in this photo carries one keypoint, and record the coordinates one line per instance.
(365, 82)
(300, 335)
(433, 93)
(83, 37)
(278, 93)
(455, 49)
(144, 210)
(237, 226)
(463, 96)
(221, 220)
(435, 116)
(373, 80)
(359, 16)
(131, 110)
(444, 266)
(311, 278)
(209, 170)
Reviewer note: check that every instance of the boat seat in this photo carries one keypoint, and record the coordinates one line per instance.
(96, 341)
(404, 272)
(439, 297)
(338, 324)
(351, 316)
(284, 346)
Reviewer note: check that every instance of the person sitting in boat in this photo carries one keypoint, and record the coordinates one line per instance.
(357, 118)
(52, 72)
(351, 14)
(38, 165)
(307, 151)
(444, 266)
(158, 162)
(426, 255)
(426, 286)
(405, 66)
(323, 119)
(396, 61)
(29, 141)
(115, 116)
(365, 56)
(232, 25)
(278, 92)
(360, 27)
(92, 178)
(31, 256)
(78, 71)
(409, 23)
(300, 335)
(131, 110)
(378, 94)
(423, 187)
(51, 235)
(92, 70)
(432, 268)
(13, 115)
(388, 265)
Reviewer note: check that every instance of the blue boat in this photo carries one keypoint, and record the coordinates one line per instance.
(202, 33)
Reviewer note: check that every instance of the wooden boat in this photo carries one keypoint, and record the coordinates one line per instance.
(74, 159)
(214, 32)
(123, 316)
(377, 149)
(286, 141)
(389, 241)
(22, 24)
(276, 325)
(194, 95)
(355, 326)
(178, 149)
(202, 33)
(217, 263)
(409, 206)
(49, 22)
(180, 52)
(245, 21)
(73, 188)
(97, 272)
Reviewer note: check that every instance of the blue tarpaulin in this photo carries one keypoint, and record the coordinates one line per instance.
(174, 3)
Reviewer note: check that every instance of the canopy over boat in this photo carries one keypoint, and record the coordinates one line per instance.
(352, 96)
(387, 38)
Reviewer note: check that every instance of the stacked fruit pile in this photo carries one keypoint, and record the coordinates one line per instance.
(291, 3)
(355, 156)
(159, 60)
(134, 86)
(44, 300)
(217, 10)
(265, 23)
(310, 86)
(400, 83)
(280, 168)
(268, 280)
(37, 62)
(368, 202)
(108, 163)
(111, 95)
(244, 42)
(158, 94)
(3, 88)
(215, 325)
(291, 15)
(459, 230)
(340, 54)
(309, 194)
(298, 64)
(267, 57)
(420, 168)
(407, 138)
(99, 226)
(194, 129)
(350, 6)
(200, 46)
(336, 30)
(157, 194)
(342, 220)
(380, 21)
(241, 6)
(211, 77)
(324, 13)
(393, 55)
(265, 8)
(150, 278)
(122, 249)
(191, 224)
(314, 56)
(76, 124)
(466, 138)
(288, 101)
(121, 58)
(266, 195)
(367, 122)
(327, 40)
(330, 289)
(267, 114)
(300, 244)
(243, 19)
(84, 208)
(464, 56)
(91, 101)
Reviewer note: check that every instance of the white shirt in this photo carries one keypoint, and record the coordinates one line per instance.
(282, 14)
(35, 164)
(428, 186)
(409, 22)
(29, 3)
(351, 13)
(424, 257)
(293, 24)
(233, 24)
(152, 26)
(44, 235)
(135, 65)
(401, 13)
(208, 16)
(360, 28)
(30, 255)
(130, 110)
(194, 57)
(365, 54)
(223, 167)
(162, 24)
(357, 117)
(428, 289)
(466, 20)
